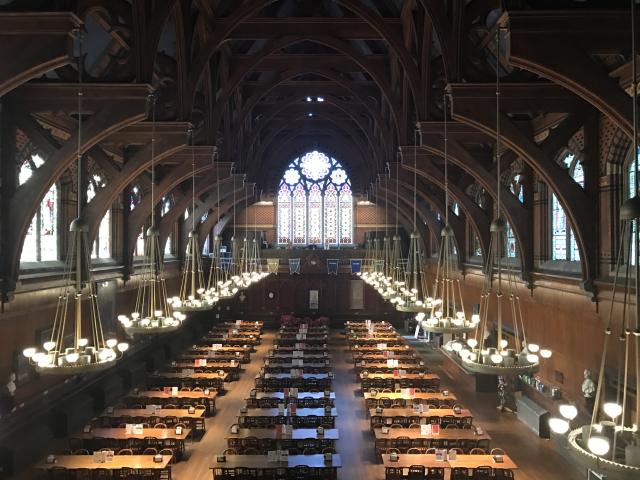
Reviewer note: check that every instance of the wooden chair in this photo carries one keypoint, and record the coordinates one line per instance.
(482, 473)
(125, 451)
(160, 425)
(435, 473)
(414, 425)
(477, 451)
(497, 451)
(393, 473)
(458, 450)
(414, 451)
(503, 473)
(81, 451)
(459, 473)
(150, 451)
(416, 472)
(229, 451)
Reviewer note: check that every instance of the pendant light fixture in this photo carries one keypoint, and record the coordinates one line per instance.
(193, 293)
(218, 281)
(447, 313)
(610, 443)
(152, 313)
(385, 288)
(414, 296)
(77, 344)
(396, 261)
(502, 358)
(236, 266)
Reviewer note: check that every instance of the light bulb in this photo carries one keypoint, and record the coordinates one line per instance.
(438, 314)
(83, 342)
(533, 347)
(72, 357)
(123, 347)
(456, 346)
(612, 409)
(559, 425)
(460, 315)
(29, 352)
(158, 313)
(38, 357)
(496, 358)
(472, 342)
(475, 318)
(568, 411)
(135, 315)
(504, 343)
(464, 353)
(598, 445)
(200, 291)
(48, 346)
(545, 353)
(144, 322)
(123, 318)
(105, 354)
(45, 362)
(112, 342)
(532, 358)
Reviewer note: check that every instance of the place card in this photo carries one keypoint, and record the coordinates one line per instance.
(453, 454)
(179, 430)
(174, 391)
(435, 429)
(441, 455)
(283, 455)
(87, 429)
(221, 458)
(498, 458)
(138, 429)
(51, 458)
(425, 429)
(272, 456)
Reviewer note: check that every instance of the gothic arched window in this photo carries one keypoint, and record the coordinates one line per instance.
(563, 240)
(41, 242)
(315, 202)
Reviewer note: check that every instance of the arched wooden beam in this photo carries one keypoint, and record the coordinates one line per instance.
(150, 36)
(170, 139)
(250, 64)
(172, 179)
(278, 157)
(405, 193)
(471, 105)
(218, 37)
(115, 114)
(212, 220)
(437, 12)
(33, 43)
(184, 200)
(321, 106)
(302, 121)
(518, 216)
(288, 75)
(476, 216)
(407, 222)
(405, 59)
(533, 34)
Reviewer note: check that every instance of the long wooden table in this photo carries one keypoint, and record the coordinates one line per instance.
(463, 438)
(137, 462)
(388, 416)
(304, 417)
(436, 398)
(157, 438)
(461, 461)
(259, 463)
(141, 415)
(183, 397)
(212, 380)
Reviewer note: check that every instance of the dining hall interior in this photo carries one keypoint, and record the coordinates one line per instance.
(319, 239)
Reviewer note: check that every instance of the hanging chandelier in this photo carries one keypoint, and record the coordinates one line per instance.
(502, 358)
(447, 313)
(414, 294)
(77, 344)
(257, 271)
(610, 443)
(396, 261)
(152, 313)
(194, 295)
(218, 281)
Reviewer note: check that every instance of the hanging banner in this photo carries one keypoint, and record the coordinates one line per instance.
(294, 266)
(273, 264)
(332, 266)
(356, 265)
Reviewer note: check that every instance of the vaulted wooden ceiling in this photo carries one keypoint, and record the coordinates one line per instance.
(248, 74)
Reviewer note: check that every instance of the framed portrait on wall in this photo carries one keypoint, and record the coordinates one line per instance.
(313, 299)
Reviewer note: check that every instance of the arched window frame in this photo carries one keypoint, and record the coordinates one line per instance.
(563, 242)
(315, 202)
(37, 245)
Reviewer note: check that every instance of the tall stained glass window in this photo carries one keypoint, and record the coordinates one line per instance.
(41, 242)
(631, 191)
(139, 250)
(563, 241)
(511, 241)
(315, 202)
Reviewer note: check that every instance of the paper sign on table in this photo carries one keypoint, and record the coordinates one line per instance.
(425, 429)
